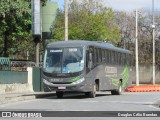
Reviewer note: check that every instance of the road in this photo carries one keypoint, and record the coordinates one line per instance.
(104, 101)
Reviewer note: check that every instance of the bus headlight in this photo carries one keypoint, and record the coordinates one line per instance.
(78, 81)
(45, 81)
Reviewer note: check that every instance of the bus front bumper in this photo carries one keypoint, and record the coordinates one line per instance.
(76, 86)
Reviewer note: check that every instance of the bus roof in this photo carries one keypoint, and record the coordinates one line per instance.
(75, 43)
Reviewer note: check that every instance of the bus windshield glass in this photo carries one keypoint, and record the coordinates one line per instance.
(63, 60)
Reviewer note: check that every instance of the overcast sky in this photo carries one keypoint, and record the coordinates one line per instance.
(125, 5)
(130, 5)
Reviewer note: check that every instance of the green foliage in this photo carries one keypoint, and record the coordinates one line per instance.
(15, 22)
(87, 21)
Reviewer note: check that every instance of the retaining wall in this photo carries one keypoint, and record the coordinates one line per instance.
(146, 74)
(17, 82)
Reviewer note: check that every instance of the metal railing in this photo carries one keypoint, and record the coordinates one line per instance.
(21, 65)
(4, 63)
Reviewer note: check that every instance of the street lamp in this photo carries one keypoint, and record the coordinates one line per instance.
(136, 51)
(153, 28)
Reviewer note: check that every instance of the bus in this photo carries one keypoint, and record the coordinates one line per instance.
(85, 66)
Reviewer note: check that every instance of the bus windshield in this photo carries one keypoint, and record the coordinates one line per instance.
(63, 60)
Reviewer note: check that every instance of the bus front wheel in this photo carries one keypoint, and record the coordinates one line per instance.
(92, 94)
(59, 94)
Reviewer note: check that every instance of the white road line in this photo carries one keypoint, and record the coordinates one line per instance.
(57, 101)
(90, 101)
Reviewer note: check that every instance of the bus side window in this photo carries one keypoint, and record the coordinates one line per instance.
(109, 56)
(106, 56)
(115, 56)
(87, 58)
(112, 56)
(119, 58)
(115, 62)
(122, 58)
(129, 59)
(103, 55)
(97, 55)
(125, 59)
(94, 52)
(100, 55)
(93, 55)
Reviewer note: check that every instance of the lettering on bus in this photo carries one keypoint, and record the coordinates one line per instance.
(111, 71)
(55, 51)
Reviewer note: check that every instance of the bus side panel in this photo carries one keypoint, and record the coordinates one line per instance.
(107, 73)
(98, 73)
(109, 76)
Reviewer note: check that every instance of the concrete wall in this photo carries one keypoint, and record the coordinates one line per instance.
(13, 82)
(10, 77)
(14, 88)
(145, 74)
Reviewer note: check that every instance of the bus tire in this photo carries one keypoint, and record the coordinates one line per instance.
(59, 94)
(92, 94)
(118, 91)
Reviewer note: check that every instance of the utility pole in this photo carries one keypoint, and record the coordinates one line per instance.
(136, 51)
(66, 20)
(153, 28)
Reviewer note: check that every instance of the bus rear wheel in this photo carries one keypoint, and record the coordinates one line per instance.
(92, 94)
(59, 94)
(117, 91)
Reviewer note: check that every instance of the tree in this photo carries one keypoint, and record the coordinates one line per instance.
(126, 23)
(88, 20)
(15, 21)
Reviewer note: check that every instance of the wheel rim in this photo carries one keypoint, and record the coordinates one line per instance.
(94, 91)
(120, 88)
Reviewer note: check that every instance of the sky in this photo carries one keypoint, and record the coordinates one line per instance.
(125, 5)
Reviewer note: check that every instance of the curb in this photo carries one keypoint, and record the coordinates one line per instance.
(4, 99)
(143, 88)
(15, 99)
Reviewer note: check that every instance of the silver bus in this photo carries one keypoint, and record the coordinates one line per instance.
(85, 66)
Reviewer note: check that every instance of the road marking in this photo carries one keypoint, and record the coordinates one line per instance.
(2, 106)
(57, 101)
(132, 102)
(90, 101)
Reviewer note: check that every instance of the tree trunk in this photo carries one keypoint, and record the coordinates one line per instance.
(5, 49)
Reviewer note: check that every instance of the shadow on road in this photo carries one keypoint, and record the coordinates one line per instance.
(68, 96)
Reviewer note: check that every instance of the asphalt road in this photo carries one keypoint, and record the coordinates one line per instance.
(104, 101)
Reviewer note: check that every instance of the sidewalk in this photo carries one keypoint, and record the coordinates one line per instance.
(14, 97)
